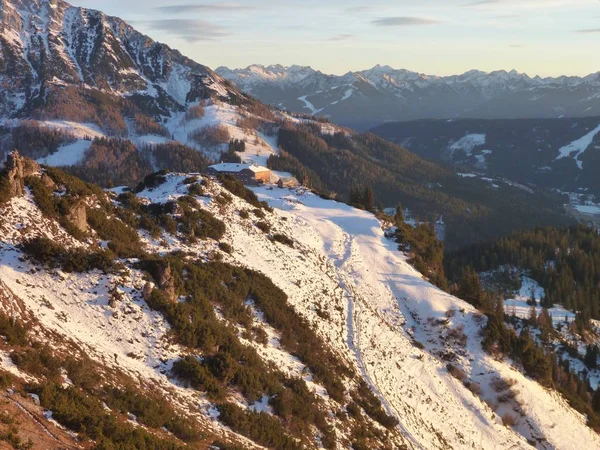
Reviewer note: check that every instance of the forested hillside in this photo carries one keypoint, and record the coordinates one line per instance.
(560, 153)
(565, 261)
(541, 290)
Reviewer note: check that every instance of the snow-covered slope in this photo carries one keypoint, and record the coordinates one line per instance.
(577, 148)
(389, 306)
(347, 279)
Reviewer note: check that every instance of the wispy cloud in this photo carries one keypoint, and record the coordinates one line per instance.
(403, 21)
(525, 4)
(187, 8)
(359, 9)
(589, 30)
(342, 37)
(190, 30)
(483, 2)
(505, 16)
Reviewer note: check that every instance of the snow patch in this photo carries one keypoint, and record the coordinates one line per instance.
(67, 155)
(577, 148)
(468, 143)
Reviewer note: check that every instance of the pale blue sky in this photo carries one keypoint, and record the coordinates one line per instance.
(442, 37)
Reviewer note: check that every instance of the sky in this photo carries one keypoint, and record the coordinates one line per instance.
(440, 37)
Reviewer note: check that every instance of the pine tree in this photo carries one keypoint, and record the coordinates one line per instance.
(356, 198)
(369, 199)
(500, 308)
(399, 216)
(596, 401)
(533, 318)
(470, 287)
(591, 357)
(545, 323)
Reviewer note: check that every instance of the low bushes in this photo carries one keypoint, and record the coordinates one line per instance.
(80, 407)
(227, 363)
(364, 397)
(14, 332)
(198, 223)
(196, 189)
(237, 188)
(122, 239)
(56, 207)
(47, 252)
(260, 427)
(198, 376)
(223, 246)
(263, 226)
(152, 181)
(152, 411)
(456, 372)
(282, 239)
(85, 415)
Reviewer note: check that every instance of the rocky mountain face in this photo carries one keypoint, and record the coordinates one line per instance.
(384, 94)
(50, 44)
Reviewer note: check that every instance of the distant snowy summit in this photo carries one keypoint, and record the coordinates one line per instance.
(366, 98)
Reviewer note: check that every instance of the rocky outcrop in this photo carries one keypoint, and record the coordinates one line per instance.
(77, 215)
(166, 282)
(17, 169)
(147, 290)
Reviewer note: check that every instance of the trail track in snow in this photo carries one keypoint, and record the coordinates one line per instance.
(355, 305)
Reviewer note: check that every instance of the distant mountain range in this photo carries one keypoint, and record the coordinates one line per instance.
(371, 97)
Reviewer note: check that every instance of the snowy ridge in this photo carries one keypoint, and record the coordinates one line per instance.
(401, 79)
(277, 74)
